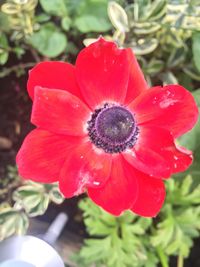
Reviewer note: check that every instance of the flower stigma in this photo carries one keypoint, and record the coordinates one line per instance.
(112, 128)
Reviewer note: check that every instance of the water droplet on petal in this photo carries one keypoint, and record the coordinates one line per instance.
(167, 102)
(175, 157)
(96, 183)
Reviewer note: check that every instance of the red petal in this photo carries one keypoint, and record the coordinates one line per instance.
(53, 74)
(151, 196)
(137, 83)
(84, 167)
(43, 154)
(120, 191)
(180, 158)
(171, 107)
(102, 72)
(59, 111)
(156, 154)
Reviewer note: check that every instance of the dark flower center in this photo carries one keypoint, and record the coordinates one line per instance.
(113, 128)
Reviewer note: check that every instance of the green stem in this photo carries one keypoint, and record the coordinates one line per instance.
(180, 261)
(162, 256)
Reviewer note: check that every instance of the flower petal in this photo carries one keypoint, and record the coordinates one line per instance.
(136, 83)
(85, 167)
(156, 154)
(180, 158)
(43, 154)
(151, 196)
(60, 112)
(120, 191)
(53, 74)
(102, 72)
(171, 107)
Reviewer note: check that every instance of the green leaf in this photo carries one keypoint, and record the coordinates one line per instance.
(49, 41)
(115, 241)
(92, 16)
(3, 49)
(118, 17)
(146, 28)
(42, 17)
(191, 140)
(154, 66)
(55, 7)
(196, 49)
(66, 23)
(144, 46)
(168, 78)
(91, 23)
(184, 192)
(32, 198)
(12, 222)
(156, 10)
(55, 195)
(19, 51)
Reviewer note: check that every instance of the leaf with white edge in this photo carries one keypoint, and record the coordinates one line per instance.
(55, 195)
(154, 66)
(32, 198)
(144, 47)
(12, 222)
(118, 17)
(168, 78)
(89, 41)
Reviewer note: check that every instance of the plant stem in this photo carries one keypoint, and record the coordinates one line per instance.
(163, 257)
(180, 261)
(7, 71)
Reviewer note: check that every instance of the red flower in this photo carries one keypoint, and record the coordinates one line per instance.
(100, 129)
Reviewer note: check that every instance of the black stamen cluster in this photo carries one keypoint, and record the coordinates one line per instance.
(99, 141)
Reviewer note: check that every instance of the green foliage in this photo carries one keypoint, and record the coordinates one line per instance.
(23, 200)
(20, 16)
(3, 49)
(130, 240)
(88, 16)
(165, 36)
(191, 140)
(27, 23)
(12, 222)
(180, 218)
(32, 198)
(92, 16)
(163, 30)
(115, 241)
(196, 49)
(49, 41)
(56, 7)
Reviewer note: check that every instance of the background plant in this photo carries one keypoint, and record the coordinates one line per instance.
(165, 36)
(131, 241)
(23, 200)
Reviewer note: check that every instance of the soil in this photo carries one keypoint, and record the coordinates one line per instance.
(15, 107)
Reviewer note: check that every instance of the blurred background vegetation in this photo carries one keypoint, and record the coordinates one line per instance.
(165, 36)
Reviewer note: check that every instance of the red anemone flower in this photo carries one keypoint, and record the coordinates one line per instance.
(100, 129)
